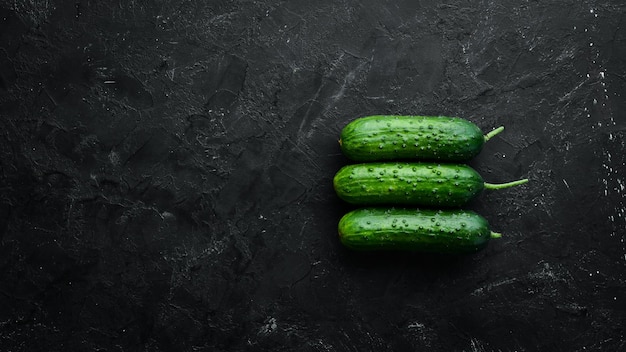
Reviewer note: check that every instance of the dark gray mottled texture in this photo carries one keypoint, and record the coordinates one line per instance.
(166, 167)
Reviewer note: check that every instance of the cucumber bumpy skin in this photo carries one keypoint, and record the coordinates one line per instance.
(411, 183)
(419, 230)
(391, 137)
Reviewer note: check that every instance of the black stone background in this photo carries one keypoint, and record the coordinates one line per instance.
(166, 174)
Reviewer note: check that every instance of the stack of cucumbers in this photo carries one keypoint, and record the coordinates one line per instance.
(410, 182)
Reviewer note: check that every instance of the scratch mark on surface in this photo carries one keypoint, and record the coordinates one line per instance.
(476, 345)
(491, 286)
(567, 186)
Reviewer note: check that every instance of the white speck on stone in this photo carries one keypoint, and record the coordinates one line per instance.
(114, 158)
(416, 326)
(269, 327)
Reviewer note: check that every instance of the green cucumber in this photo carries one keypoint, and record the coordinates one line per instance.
(391, 137)
(434, 231)
(415, 183)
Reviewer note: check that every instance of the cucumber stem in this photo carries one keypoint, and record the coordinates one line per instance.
(505, 185)
(489, 135)
(495, 235)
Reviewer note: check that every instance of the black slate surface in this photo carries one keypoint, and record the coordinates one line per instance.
(166, 174)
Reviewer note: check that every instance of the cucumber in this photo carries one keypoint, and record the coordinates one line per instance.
(434, 231)
(391, 137)
(415, 183)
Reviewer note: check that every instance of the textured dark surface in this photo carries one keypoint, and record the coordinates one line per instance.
(166, 174)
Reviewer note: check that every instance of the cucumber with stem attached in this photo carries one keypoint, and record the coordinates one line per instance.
(412, 183)
(420, 230)
(392, 137)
